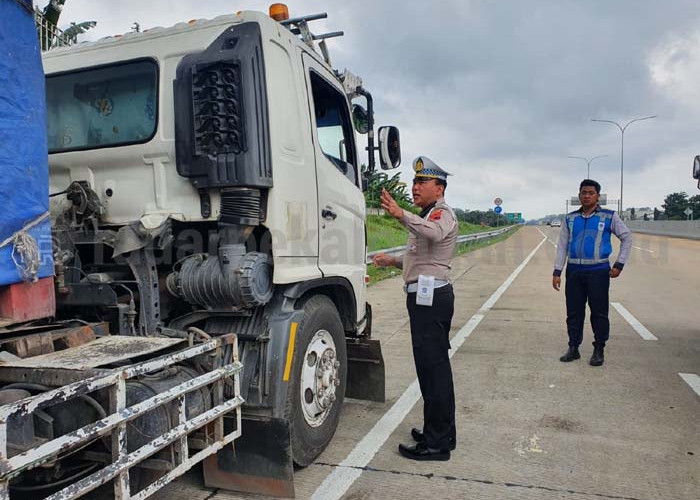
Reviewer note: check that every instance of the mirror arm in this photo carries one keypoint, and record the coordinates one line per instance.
(370, 124)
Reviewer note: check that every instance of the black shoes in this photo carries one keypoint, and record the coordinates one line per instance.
(418, 437)
(597, 358)
(570, 355)
(420, 451)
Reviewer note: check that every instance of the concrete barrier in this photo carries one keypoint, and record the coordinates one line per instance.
(673, 228)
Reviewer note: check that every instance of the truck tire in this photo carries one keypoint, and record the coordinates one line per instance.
(317, 380)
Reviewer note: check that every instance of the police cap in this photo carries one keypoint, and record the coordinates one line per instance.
(427, 169)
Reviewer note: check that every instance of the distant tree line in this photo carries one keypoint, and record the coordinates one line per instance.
(482, 217)
(675, 205)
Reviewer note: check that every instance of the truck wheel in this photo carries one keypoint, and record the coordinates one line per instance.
(318, 379)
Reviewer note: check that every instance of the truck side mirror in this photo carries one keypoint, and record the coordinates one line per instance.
(365, 184)
(360, 119)
(389, 147)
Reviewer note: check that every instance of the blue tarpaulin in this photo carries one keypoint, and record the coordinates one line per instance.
(24, 174)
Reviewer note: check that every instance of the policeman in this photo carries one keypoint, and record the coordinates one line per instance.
(585, 241)
(430, 303)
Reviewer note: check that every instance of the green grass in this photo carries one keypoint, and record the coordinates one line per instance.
(386, 232)
(471, 246)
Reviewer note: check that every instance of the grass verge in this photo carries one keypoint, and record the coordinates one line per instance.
(386, 232)
(377, 274)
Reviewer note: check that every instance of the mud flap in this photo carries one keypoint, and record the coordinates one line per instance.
(261, 462)
(365, 370)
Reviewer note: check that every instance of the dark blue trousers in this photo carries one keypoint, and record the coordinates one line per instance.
(430, 336)
(593, 287)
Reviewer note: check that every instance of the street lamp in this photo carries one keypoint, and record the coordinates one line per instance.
(588, 176)
(622, 147)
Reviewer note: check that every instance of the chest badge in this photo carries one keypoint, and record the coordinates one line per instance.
(436, 215)
(601, 226)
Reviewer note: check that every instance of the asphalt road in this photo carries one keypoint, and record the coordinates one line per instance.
(530, 427)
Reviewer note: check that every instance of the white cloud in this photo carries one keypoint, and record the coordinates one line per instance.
(500, 93)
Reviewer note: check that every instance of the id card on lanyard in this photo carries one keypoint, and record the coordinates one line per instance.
(426, 289)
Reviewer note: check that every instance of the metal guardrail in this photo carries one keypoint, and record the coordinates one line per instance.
(464, 238)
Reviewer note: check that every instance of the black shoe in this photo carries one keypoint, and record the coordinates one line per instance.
(421, 452)
(570, 355)
(418, 437)
(597, 358)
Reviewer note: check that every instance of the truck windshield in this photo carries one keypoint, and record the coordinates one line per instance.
(102, 107)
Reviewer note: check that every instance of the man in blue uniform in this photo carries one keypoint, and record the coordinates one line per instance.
(430, 303)
(585, 240)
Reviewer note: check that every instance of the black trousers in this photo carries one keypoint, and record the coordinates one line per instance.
(430, 328)
(593, 287)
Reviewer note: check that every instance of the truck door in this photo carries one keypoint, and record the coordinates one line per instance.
(341, 204)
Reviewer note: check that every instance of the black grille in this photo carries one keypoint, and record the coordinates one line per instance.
(218, 109)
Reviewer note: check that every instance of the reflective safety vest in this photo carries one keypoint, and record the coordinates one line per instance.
(589, 238)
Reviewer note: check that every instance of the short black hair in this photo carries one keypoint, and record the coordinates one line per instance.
(590, 182)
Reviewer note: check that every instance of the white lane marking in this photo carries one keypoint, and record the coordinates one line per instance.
(551, 241)
(643, 249)
(692, 380)
(339, 481)
(634, 322)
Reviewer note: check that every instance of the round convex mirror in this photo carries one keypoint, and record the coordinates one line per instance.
(360, 120)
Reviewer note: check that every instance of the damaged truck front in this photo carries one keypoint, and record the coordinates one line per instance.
(208, 281)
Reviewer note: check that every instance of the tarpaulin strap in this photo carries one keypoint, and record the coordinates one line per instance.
(25, 251)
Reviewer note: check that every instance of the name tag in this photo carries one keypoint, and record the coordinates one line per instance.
(426, 289)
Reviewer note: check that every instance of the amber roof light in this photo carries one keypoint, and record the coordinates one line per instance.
(279, 12)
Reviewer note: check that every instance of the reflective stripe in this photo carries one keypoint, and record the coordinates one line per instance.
(570, 218)
(602, 217)
(588, 261)
(290, 352)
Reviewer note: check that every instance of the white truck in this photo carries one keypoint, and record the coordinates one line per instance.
(209, 244)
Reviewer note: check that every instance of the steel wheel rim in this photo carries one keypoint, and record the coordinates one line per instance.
(319, 378)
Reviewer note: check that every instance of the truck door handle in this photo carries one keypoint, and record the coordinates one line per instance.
(328, 214)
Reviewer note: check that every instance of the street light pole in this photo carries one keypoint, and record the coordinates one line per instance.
(588, 175)
(622, 149)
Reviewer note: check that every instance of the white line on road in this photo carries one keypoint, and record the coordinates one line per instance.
(339, 481)
(643, 249)
(551, 241)
(634, 322)
(692, 380)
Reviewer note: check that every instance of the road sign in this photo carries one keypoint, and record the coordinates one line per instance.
(514, 216)
(688, 211)
(602, 200)
(498, 202)
(498, 209)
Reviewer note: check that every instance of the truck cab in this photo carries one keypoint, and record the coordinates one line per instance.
(205, 180)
